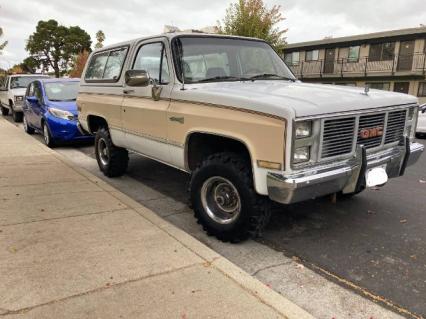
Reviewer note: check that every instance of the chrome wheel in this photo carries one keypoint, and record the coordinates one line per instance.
(221, 200)
(103, 151)
(46, 134)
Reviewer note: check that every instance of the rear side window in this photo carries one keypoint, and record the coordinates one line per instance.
(106, 66)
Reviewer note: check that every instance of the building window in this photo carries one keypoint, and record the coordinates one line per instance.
(422, 89)
(379, 85)
(382, 51)
(346, 83)
(353, 54)
(292, 58)
(312, 55)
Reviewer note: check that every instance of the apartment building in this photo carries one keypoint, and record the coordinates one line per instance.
(391, 60)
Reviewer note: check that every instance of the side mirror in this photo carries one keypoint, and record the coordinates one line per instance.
(32, 99)
(422, 108)
(136, 78)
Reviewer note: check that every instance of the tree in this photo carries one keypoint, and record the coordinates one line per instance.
(100, 37)
(251, 18)
(53, 45)
(2, 45)
(78, 64)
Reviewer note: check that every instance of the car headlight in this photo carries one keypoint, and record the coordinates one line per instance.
(302, 154)
(61, 114)
(411, 113)
(303, 129)
(19, 98)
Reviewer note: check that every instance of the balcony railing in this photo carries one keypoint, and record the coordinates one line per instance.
(414, 64)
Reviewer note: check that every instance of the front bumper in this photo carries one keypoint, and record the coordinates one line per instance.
(346, 177)
(66, 130)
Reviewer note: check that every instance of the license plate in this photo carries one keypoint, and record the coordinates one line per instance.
(376, 176)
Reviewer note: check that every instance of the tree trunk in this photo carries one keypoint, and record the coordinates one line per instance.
(56, 69)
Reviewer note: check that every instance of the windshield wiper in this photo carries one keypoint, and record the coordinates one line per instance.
(224, 77)
(269, 75)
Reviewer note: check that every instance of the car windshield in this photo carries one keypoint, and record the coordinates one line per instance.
(213, 59)
(18, 82)
(61, 91)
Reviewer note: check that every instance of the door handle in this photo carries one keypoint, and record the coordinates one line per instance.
(128, 91)
(180, 120)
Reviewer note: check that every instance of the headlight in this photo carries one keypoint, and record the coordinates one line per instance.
(303, 129)
(302, 154)
(61, 114)
(19, 98)
(410, 113)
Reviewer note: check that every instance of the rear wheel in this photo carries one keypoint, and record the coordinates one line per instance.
(28, 129)
(4, 111)
(224, 200)
(112, 160)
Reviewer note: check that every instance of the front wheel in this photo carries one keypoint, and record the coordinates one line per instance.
(4, 111)
(224, 200)
(112, 160)
(48, 139)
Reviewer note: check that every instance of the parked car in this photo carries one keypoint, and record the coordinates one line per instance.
(228, 111)
(12, 93)
(421, 122)
(50, 108)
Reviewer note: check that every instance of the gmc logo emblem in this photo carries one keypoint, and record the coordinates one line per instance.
(371, 132)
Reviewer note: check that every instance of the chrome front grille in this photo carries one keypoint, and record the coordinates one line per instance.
(396, 125)
(340, 134)
(368, 122)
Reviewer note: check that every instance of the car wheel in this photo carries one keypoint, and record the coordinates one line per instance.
(224, 200)
(17, 116)
(48, 139)
(112, 160)
(28, 129)
(4, 111)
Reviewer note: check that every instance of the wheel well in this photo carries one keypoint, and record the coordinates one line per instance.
(10, 103)
(95, 123)
(201, 145)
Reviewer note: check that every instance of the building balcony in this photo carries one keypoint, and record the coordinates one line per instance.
(404, 65)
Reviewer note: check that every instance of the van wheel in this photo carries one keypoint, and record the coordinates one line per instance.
(112, 160)
(224, 200)
(17, 116)
(28, 129)
(4, 111)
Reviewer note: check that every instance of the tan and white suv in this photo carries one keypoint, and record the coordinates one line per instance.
(228, 111)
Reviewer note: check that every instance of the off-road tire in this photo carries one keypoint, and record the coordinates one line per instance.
(255, 209)
(28, 129)
(118, 159)
(4, 111)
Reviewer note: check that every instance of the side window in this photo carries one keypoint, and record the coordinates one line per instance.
(114, 64)
(95, 70)
(37, 92)
(153, 59)
(30, 90)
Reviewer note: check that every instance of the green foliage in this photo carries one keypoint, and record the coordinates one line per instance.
(100, 37)
(2, 45)
(54, 46)
(251, 18)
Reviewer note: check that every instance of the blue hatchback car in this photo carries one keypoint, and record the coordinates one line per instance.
(50, 108)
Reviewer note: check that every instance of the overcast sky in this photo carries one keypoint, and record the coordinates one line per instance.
(127, 19)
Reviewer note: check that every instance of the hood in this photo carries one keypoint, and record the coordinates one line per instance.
(18, 91)
(302, 99)
(70, 106)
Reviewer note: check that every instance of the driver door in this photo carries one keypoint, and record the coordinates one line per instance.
(144, 111)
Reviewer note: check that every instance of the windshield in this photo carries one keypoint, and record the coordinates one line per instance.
(17, 82)
(61, 91)
(212, 59)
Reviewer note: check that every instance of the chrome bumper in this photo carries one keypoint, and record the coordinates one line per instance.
(346, 177)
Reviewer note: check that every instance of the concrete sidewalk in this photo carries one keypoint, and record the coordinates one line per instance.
(71, 246)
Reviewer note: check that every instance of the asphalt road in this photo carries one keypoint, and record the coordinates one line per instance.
(374, 243)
